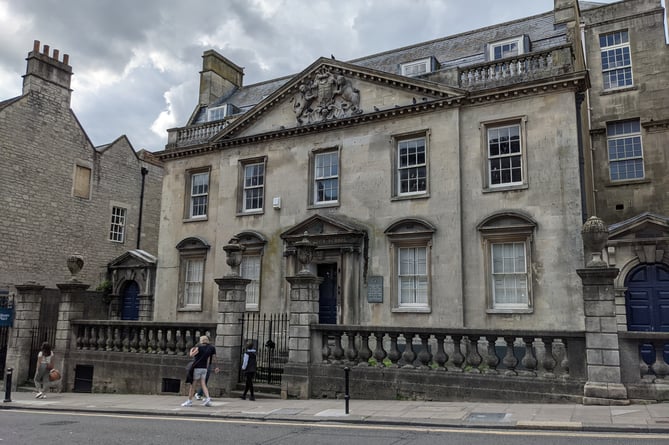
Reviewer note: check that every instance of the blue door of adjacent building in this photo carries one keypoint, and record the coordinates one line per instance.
(327, 294)
(130, 308)
(647, 300)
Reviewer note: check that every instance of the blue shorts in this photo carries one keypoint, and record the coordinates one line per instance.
(199, 374)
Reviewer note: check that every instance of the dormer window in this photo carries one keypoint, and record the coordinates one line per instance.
(221, 112)
(418, 67)
(508, 48)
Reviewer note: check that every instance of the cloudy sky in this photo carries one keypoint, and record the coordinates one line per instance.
(136, 63)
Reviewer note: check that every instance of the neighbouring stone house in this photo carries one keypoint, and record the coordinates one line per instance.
(62, 195)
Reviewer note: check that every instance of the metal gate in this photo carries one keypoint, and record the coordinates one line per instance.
(7, 302)
(269, 333)
(46, 329)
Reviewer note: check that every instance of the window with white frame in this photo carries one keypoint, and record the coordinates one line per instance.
(217, 113)
(253, 186)
(505, 157)
(198, 196)
(251, 266)
(616, 60)
(507, 48)
(117, 230)
(250, 269)
(410, 248)
(412, 167)
(192, 259)
(625, 150)
(507, 247)
(326, 177)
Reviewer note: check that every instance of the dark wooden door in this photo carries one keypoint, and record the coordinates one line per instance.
(327, 294)
(130, 310)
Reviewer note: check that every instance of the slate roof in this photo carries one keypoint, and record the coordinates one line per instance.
(462, 49)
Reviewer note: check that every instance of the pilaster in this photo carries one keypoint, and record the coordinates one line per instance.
(70, 308)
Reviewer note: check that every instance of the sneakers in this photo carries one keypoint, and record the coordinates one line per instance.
(187, 403)
(198, 397)
(43, 396)
(207, 402)
(39, 395)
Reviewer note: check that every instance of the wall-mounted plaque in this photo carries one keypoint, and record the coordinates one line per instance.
(375, 289)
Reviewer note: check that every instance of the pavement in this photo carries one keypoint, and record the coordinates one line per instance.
(640, 418)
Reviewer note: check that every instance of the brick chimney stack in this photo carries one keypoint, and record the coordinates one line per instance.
(47, 74)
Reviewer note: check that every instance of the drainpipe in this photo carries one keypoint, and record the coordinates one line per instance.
(141, 206)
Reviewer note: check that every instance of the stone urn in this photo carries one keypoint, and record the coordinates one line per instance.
(305, 253)
(595, 234)
(74, 264)
(233, 251)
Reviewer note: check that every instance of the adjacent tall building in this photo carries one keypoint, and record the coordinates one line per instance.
(61, 194)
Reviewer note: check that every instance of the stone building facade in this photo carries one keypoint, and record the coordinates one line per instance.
(439, 182)
(61, 194)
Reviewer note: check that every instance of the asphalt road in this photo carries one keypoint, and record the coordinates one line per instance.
(22, 427)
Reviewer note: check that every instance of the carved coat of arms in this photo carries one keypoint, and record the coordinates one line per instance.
(326, 94)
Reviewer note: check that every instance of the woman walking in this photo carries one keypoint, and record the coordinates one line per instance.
(44, 366)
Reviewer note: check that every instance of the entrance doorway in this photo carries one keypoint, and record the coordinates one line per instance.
(130, 308)
(327, 293)
(647, 302)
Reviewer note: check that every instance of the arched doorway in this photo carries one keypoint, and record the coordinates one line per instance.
(130, 307)
(647, 302)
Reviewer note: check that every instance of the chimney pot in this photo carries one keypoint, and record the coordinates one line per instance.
(45, 50)
(56, 53)
(36, 46)
(66, 59)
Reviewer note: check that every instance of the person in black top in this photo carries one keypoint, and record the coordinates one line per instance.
(249, 369)
(204, 356)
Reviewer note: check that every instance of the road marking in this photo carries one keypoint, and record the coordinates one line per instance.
(321, 424)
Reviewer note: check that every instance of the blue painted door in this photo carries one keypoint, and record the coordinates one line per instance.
(647, 300)
(327, 294)
(130, 309)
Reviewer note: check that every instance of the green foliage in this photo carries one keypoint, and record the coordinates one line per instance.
(105, 287)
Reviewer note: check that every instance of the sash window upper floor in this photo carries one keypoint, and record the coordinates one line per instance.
(198, 194)
(117, 230)
(616, 60)
(411, 166)
(324, 177)
(625, 150)
(505, 154)
(251, 198)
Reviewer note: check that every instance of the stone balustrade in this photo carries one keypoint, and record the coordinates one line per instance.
(168, 338)
(546, 354)
(654, 345)
(195, 134)
(520, 68)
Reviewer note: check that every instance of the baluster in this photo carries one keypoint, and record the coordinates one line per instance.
(93, 341)
(171, 341)
(549, 361)
(134, 339)
(86, 340)
(181, 344)
(365, 353)
(458, 359)
(80, 337)
(394, 354)
(510, 361)
(153, 346)
(143, 341)
(351, 350)
(338, 353)
(564, 364)
(109, 344)
(529, 360)
(379, 353)
(408, 356)
(117, 340)
(660, 368)
(424, 356)
(326, 350)
(101, 339)
(126, 338)
(440, 357)
(492, 360)
(161, 341)
(474, 358)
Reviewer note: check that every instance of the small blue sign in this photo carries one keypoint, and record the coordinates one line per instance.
(6, 316)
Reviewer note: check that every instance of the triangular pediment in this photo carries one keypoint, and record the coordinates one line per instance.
(318, 226)
(133, 259)
(644, 226)
(332, 93)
